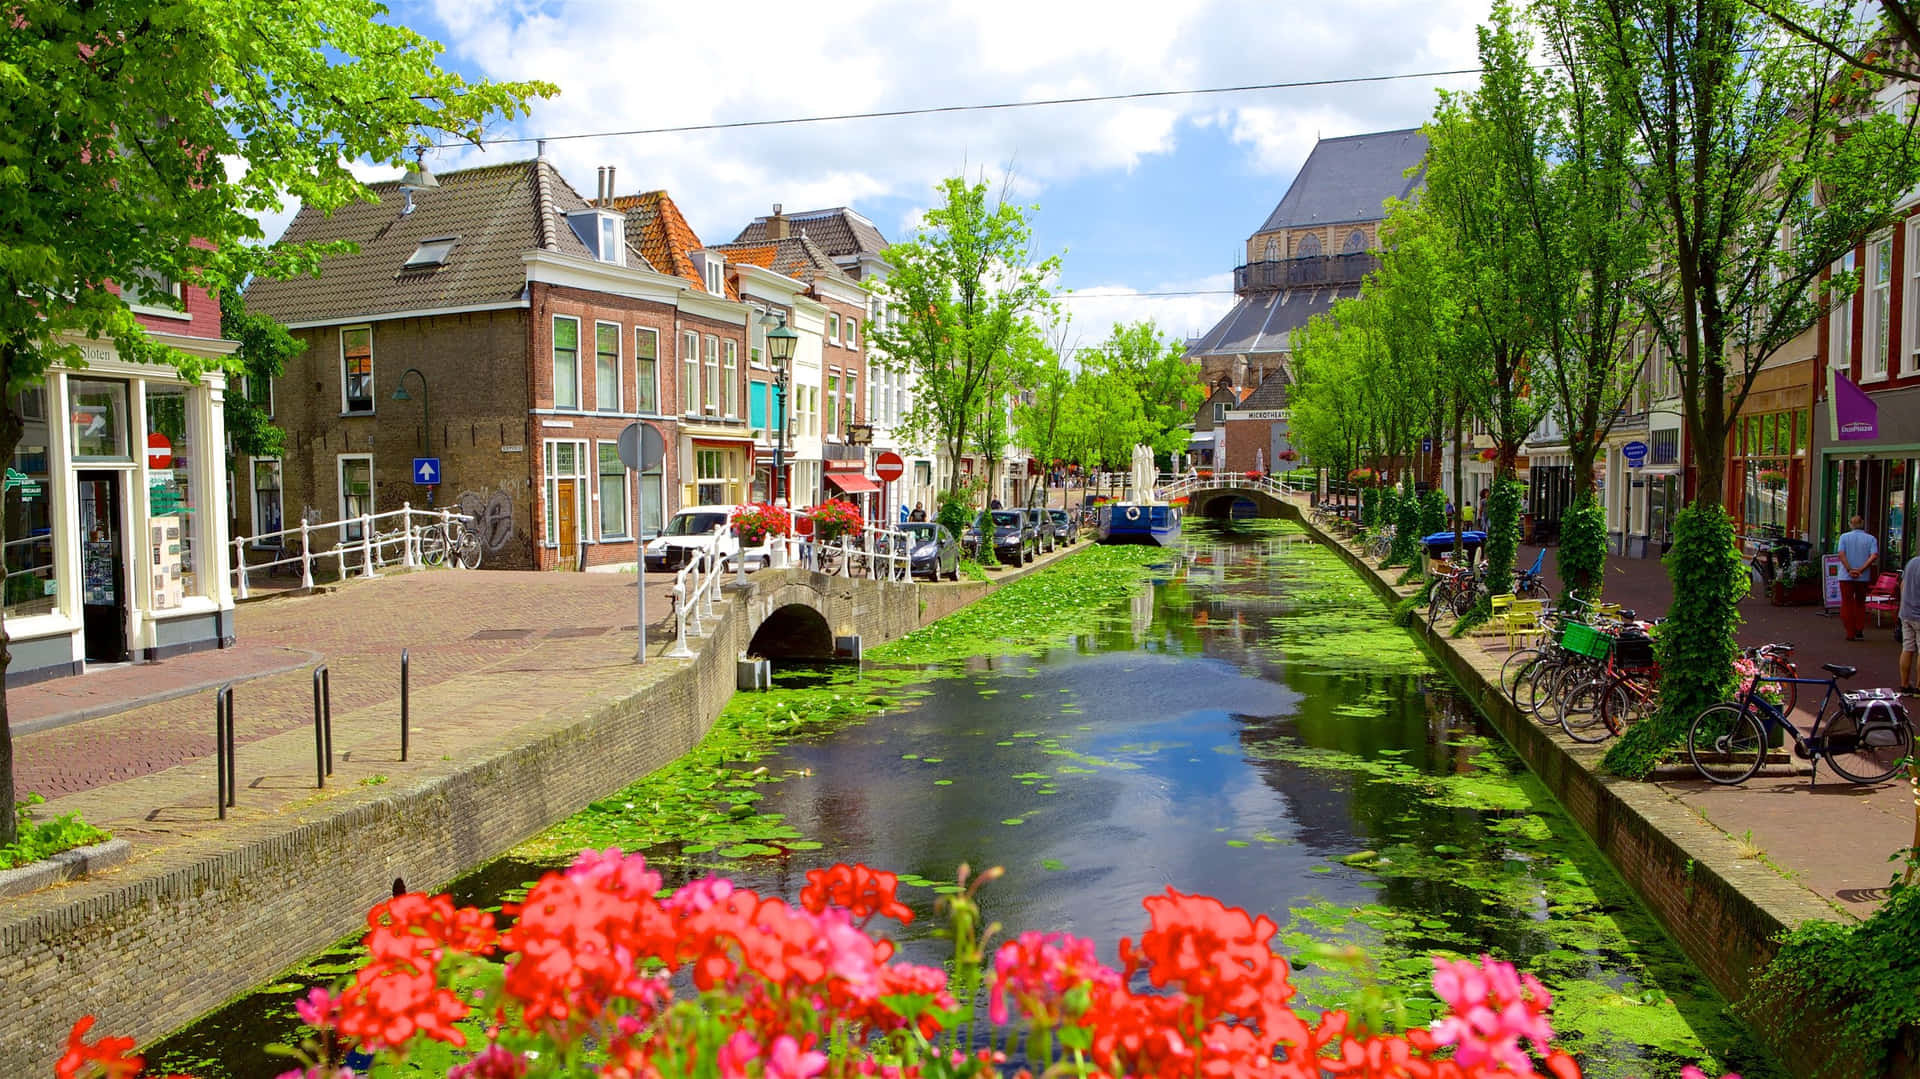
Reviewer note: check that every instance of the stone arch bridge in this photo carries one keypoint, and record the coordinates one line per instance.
(1215, 496)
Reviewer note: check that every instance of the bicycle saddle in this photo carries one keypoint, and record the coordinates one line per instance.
(1627, 614)
(1839, 670)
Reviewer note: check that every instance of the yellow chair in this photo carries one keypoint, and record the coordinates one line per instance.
(1500, 606)
(1607, 610)
(1526, 621)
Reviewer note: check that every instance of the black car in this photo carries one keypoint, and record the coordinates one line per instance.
(931, 551)
(1013, 541)
(1042, 527)
(1064, 533)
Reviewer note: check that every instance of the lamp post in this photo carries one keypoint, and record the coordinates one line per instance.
(780, 342)
(400, 394)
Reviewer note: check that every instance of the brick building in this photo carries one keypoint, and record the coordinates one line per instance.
(527, 329)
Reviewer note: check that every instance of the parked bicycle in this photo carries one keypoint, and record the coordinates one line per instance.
(455, 543)
(1865, 737)
(1454, 593)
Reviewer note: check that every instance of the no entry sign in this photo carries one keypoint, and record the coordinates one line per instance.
(159, 451)
(889, 466)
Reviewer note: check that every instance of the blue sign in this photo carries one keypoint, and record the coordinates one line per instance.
(1426, 445)
(426, 471)
(1635, 452)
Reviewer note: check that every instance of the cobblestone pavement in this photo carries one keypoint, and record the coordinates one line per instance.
(1832, 837)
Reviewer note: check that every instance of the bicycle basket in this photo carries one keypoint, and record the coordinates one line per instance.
(1633, 651)
(1585, 640)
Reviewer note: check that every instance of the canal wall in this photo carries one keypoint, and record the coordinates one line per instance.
(1723, 910)
(161, 942)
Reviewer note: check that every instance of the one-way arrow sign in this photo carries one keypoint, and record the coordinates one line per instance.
(426, 471)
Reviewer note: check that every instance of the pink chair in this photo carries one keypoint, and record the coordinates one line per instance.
(1884, 596)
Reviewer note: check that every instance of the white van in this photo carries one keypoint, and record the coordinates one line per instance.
(690, 530)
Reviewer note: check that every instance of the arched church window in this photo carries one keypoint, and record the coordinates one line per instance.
(1356, 242)
(1308, 246)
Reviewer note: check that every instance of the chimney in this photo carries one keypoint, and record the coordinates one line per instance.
(600, 186)
(610, 188)
(776, 225)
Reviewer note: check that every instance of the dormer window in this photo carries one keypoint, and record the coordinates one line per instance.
(604, 233)
(431, 253)
(713, 270)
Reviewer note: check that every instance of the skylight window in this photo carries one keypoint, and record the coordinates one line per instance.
(431, 253)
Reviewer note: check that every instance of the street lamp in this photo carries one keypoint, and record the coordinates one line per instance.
(400, 394)
(780, 342)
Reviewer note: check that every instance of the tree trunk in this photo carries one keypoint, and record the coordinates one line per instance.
(10, 429)
(1459, 464)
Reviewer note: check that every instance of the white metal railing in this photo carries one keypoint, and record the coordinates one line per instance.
(371, 549)
(693, 589)
(1193, 481)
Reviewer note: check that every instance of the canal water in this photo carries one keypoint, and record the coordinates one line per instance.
(1236, 717)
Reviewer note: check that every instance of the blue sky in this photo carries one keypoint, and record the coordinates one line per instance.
(1143, 197)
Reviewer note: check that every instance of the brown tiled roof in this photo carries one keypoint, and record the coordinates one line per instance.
(498, 213)
(840, 232)
(797, 257)
(659, 233)
(1271, 393)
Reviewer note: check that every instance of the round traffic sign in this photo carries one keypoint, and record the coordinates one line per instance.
(159, 451)
(640, 446)
(889, 466)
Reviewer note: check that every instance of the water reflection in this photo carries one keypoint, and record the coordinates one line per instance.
(1248, 726)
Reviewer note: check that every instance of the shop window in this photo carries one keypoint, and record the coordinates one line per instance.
(269, 508)
(713, 475)
(172, 495)
(356, 369)
(99, 419)
(606, 366)
(613, 493)
(30, 584)
(646, 359)
(356, 492)
(566, 362)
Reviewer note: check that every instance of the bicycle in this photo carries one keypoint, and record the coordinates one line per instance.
(456, 543)
(1865, 739)
(1775, 660)
(1454, 592)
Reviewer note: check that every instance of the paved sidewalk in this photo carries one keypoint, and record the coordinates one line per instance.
(1833, 838)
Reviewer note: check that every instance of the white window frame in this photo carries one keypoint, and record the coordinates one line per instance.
(1878, 291)
(850, 332)
(599, 498)
(253, 500)
(730, 379)
(713, 275)
(350, 529)
(550, 486)
(850, 389)
(373, 371)
(833, 328)
(162, 284)
(710, 384)
(833, 430)
(1840, 323)
(637, 380)
(246, 391)
(1910, 304)
(619, 360)
(756, 338)
(689, 357)
(553, 360)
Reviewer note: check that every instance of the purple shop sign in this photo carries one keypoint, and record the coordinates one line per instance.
(1854, 415)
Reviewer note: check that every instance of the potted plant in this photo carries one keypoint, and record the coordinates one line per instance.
(1773, 479)
(756, 521)
(1362, 477)
(1286, 455)
(1796, 585)
(1254, 473)
(1204, 473)
(1489, 454)
(834, 519)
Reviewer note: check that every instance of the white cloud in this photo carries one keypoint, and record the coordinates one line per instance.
(1181, 309)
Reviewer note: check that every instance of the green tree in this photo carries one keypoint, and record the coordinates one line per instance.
(118, 121)
(265, 348)
(1760, 167)
(1153, 367)
(1039, 417)
(961, 289)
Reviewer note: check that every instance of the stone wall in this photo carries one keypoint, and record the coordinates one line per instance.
(163, 941)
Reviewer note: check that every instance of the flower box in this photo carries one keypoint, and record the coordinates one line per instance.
(1801, 594)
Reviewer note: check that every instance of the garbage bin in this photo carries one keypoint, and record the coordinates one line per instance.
(1439, 543)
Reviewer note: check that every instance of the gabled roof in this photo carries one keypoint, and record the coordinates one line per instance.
(1263, 322)
(1269, 394)
(841, 232)
(659, 233)
(496, 214)
(796, 256)
(1349, 179)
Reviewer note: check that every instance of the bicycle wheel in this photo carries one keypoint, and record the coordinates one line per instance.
(1583, 710)
(1441, 599)
(1726, 744)
(466, 548)
(1637, 698)
(1544, 688)
(1868, 751)
(1789, 693)
(1515, 663)
(433, 546)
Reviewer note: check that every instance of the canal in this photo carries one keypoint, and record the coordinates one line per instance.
(1237, 717)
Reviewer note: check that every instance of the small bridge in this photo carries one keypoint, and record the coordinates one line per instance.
(1216, 496)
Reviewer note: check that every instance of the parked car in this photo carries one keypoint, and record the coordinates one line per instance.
(691, 530)
(1042, 527)
(932, 551)
(1013, 541)
(1064, 531)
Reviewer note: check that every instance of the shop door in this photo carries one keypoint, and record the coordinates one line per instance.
(103, 566)
(566, 510)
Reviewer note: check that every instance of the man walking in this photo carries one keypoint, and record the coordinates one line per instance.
(1859, 554)
(1910, 628)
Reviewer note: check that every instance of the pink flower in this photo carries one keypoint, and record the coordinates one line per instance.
(318, 1008)
(741, 1049)
(1494, 1007)
(611, 871)
(493, 1062)
(788, 1062)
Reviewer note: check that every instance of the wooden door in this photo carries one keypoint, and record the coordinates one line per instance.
(567, 512)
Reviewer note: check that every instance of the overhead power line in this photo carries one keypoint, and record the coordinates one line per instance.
(998, 106)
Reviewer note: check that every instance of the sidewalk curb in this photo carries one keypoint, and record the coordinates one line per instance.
(67, 865)
(97, 711)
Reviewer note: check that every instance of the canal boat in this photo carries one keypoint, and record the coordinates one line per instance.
(1146, 521)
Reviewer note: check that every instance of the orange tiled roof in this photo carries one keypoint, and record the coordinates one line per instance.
(659, 232)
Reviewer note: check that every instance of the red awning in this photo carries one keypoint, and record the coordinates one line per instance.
(852, 482)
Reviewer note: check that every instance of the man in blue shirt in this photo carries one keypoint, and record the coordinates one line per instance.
(1859, 555)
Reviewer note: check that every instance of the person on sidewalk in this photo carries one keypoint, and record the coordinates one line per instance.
(1859, 555)
(1910, 628)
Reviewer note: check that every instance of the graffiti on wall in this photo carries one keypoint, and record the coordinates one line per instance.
(492, 513)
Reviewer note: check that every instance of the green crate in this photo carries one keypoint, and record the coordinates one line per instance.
(1586, 641)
